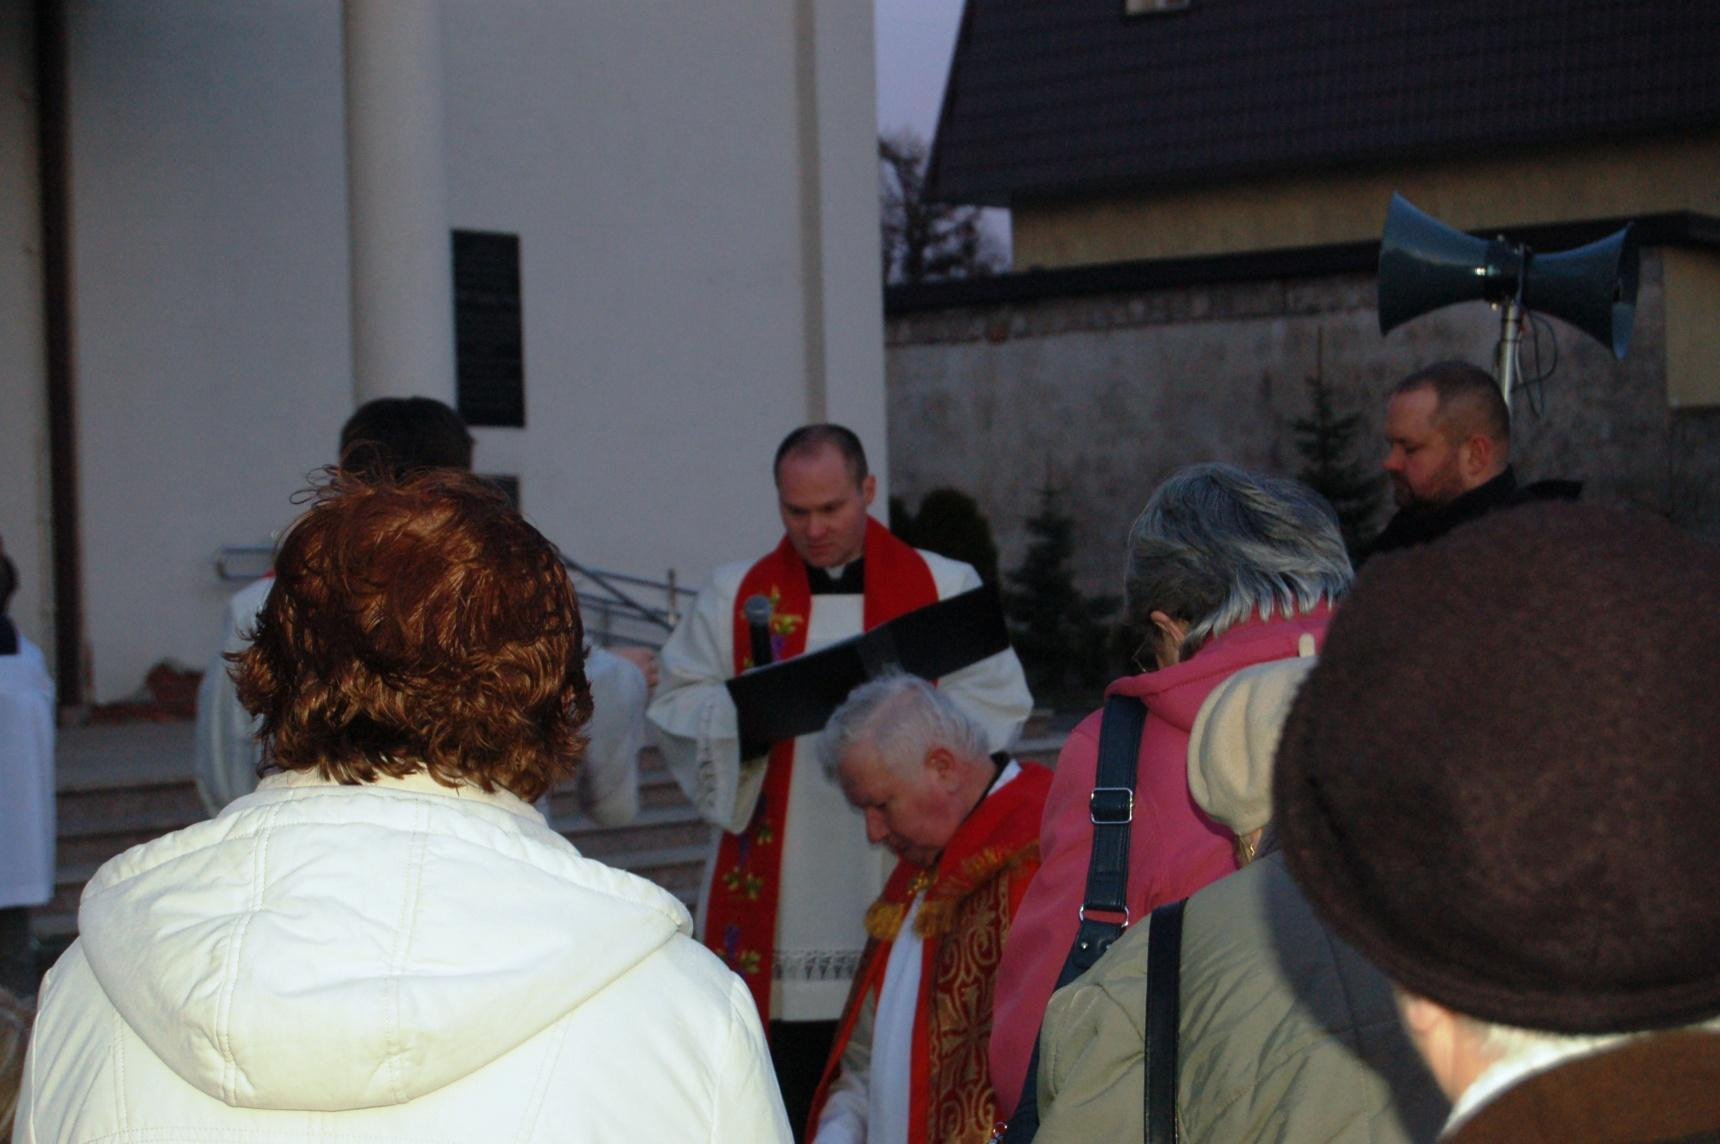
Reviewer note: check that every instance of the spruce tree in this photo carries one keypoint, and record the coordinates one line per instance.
(951, 524)
(1058, 632)
(1327, 440)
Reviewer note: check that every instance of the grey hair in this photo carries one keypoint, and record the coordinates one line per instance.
(1217, 544)
(904, 717)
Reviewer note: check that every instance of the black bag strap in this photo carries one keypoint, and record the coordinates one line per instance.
(1164, 971)
(1111, 807)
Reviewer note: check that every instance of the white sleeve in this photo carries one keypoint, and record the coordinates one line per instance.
(608, 782)
(694, 716)
(27, 819)
(844, 1117)
(225, 751)
(994, 690)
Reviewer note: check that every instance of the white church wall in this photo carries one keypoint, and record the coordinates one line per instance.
(23, 400)
(653, 160)
(212, 344)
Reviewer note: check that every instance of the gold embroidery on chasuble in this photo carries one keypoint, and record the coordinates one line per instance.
(959, 1024)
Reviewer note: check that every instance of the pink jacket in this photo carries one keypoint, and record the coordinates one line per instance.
(1174, 849)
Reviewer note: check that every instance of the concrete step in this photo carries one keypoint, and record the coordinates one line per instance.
(125, 784)
(122, 785)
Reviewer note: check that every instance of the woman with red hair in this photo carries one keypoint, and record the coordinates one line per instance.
(386, 940)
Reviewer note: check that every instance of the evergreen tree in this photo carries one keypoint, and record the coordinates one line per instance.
(1327, 440)
(1060, 634)
(901, 520)
(951, 524)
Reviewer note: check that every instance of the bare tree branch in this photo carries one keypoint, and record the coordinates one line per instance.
(923, 241)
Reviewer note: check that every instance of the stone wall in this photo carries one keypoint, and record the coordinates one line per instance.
(1106, 394)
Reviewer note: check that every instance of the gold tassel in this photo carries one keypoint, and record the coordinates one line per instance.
(938, 911)
(884, 919)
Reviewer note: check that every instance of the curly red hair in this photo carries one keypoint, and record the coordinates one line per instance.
(419, 624)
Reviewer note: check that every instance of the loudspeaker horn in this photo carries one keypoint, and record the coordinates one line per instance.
(1425, 264)
(1592, 287)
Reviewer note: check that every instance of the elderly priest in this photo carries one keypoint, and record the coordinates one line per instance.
(909, 1062)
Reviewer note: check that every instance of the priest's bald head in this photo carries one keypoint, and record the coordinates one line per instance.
(823, 491)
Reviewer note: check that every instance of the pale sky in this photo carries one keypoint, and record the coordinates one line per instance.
(915, 39)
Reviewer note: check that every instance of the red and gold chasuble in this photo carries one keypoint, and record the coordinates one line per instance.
(970, 899)
(740, 917)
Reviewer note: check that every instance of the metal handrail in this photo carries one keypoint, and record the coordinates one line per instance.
(610, 597)
(613, 600)
(225, 556)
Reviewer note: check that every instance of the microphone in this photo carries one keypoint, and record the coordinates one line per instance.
(757, 610)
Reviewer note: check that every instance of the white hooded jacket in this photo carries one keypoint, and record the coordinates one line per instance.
(397, 961)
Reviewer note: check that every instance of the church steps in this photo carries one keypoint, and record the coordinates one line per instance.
(119, 786)
(122, 785)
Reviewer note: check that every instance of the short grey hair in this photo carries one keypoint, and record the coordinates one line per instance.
(1217, 544)
(904, 717)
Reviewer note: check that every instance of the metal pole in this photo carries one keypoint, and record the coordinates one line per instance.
(1505, 356)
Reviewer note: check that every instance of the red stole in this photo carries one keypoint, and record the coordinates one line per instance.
(740, 915)
(970, 899)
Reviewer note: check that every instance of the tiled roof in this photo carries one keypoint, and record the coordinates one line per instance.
(1051, 97)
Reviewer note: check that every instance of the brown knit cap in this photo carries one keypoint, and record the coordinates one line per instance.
(1502, 782)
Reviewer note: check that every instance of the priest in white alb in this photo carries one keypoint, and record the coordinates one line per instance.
(792, 873)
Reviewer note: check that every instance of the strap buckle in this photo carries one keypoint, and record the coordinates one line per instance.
(1111, 806)
(1081, 914)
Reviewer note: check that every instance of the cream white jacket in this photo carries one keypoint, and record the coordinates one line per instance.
(391, 962)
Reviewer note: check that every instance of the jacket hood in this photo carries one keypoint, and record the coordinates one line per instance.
(1175, 693)
(327, 947)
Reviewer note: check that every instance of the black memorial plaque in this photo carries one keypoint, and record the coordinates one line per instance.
(489, 339)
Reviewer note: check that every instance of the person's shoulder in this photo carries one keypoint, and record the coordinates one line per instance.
(24, 675)
(31, 655)
(1033, 784)
(1237, 896)
(1035, 772)
(694, 980)
(1077, 763)
(725, 579)
(250, 598)
(949, 574)
(1116, 986)
(1087, 730)
(244, 605)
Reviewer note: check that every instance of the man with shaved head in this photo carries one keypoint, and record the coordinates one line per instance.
(1448, 434)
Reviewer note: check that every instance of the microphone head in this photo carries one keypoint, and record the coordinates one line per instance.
(757, 609)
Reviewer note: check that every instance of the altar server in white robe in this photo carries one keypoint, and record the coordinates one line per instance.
(402, 435)
(27, 772)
